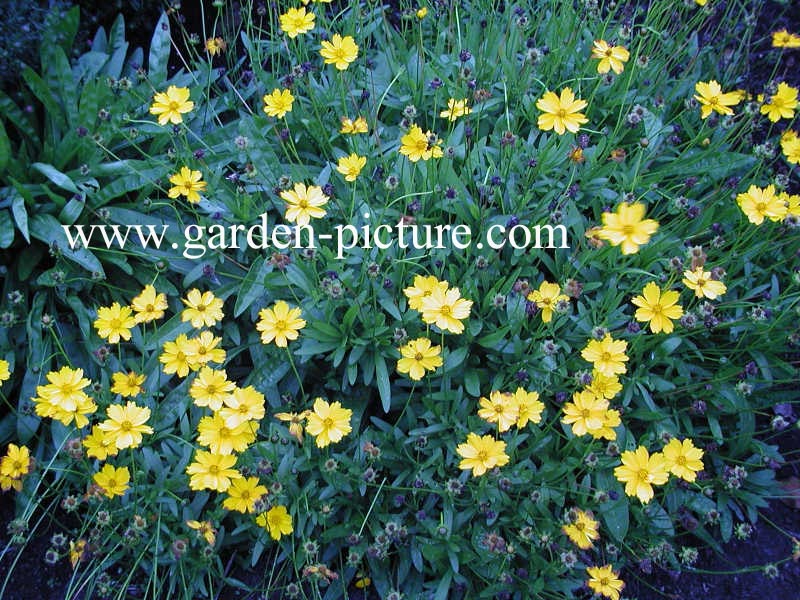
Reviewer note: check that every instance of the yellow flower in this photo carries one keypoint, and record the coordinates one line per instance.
(603, 580)
(279, 324)
(98, 445)
(114, 323)
(296, 421)
(63, 396)
(205, 529)
(296, 21)
(212, 471)
(187, 183)
(5, 374)
(546, 297)
(784, 39)
(683, 459)
(175, 356)
(149, 306)
(418, 145)
(790, 145)
(243, 494)
(501, 408)
(792, 204)
(203, 309)
(127, 384)
(455, 109)
(640, 471)
(16, 463)
(529, 407)
(711, 98)
(702, 284)
(446, 309)
(607, 355)
(126, 424)
(278, 103)
(242, 406)
(215, 46)
(418, 357)
(611, 419)
(277, 521)
(561, 113)
(353, 127)
(77, 552)
(627, 227)
(350, 166)
(757, 204)
(585, 413)
(113, 482)
(481, 454)
(210, 388)
(657, 307)
(583, 530)
(782, 103)
(328, 422)
(423, 287)
(203, 349)
(422, 12)
(604, 386)
(172, 105)
(304, 203)
(340, 51)
(214, 434)
(611, 57)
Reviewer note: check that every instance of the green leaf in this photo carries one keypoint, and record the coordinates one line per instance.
(382, 379)
(617, 518)
(5, 148)
(21, 216)
(6, 229)
(159, 51)
(251, 288)
(48, 230)
(56, 176)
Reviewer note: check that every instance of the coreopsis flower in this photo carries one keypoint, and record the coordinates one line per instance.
(205, 529)
(243, 494)
(790, 146)
(419, 357)
(683, 459)
(203, 309)
(170, 106)
(781, 104)
(149, 305)
(339, 51)
(214, 434)
(328, 422)
(546, 297)
(187, 183)
(423, 287)
(216, 45)
(603, 580)
(77, 552)
(126, 424)
(585, 413)
(98, 445)
(5, 373)
(611, 419)
(658, 308)
(757, 203)
(529, 407)
(712, 99)
(607, 355)
(784, 39)
(421, 13)
(501, 408)
(583, 530)
(211, 471)
(561, 113)
(701, 283)
(611, 58)
(280, 324)
(627, 227)
(417, 145)
(604, 386)
(210, 388)
(350, 166)
(296, 422)
(113, 481)
(203, 350)
(16, 463)
(114, 322)
(175, 356)
(481, 453)
(243, 405)
(455, 109)
(277, 521)
(127, 384)
(640, 471)
(352, 127)
(63, 397)
(297, 21)
(304, 203)
(278, 102)
(446, 309)
(792, 204)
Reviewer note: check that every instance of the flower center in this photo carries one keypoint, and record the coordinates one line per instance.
(213, 469)
(605, 356)
(328, 423)
(482, 456)
(761, 207)
(627, 229)
(280, 325)
(418, 356)
(446, 310)
(681, 460)
(126, 426)
(115, 324)
(561, 113)
(644, 475)
(174, 105)
(149, 308)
